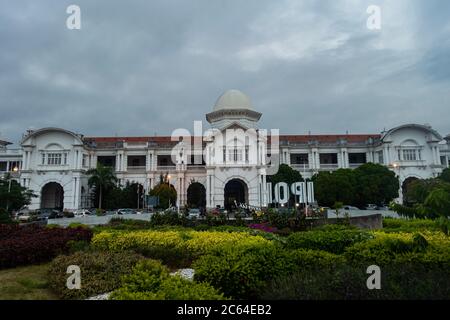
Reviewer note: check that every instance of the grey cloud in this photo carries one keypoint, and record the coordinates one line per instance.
(146, 67)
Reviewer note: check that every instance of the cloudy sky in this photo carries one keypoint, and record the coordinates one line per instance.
(146, 67)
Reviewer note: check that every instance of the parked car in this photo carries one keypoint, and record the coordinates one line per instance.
(194, 213)
(346, 207)
(126, 211)
(371, 207)
(22, 211)
(25, 216)
(50, 214)
(82, 212)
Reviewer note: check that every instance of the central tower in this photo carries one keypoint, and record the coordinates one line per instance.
(235, 175)
(233, 108)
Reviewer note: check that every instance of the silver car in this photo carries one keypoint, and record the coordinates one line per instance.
(194, 213)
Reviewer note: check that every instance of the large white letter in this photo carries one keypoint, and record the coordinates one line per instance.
(74, 280)
(74, 20)
(374, 281)
(278, 187)
(299, 190)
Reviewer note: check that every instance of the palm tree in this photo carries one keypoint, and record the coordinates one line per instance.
(102, 178)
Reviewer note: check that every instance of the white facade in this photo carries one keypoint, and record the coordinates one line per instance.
(230, 161)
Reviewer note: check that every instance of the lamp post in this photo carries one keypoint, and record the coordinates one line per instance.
(168, 184)
(15, 169)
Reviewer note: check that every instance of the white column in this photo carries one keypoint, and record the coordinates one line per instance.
(147, 161)
(124, 162)
(213, 190)
(24, 160)
(80, 159)
(74, 188)
(154, 161)
(208, 191)
(438, 157)
(317, 159)
(310, 160)
(264, 204)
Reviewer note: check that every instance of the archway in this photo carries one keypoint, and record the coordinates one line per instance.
(196, 195)
(52, 196)
(236, 192)
(405, 188)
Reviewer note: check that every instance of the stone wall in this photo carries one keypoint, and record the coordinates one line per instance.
(373, 221)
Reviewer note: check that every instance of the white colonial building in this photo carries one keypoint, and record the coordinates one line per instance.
(230, 161)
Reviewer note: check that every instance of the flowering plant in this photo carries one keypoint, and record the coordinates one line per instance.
(263, 227)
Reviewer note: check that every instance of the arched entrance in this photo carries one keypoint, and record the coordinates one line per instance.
(235, 191)
(196, 195)
(52, 196)
(405, 187)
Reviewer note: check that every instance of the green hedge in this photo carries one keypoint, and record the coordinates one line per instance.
(334, 241)
(150, 280)
(384, 250)
(240, 273)
(408, 225)
(100, 272)
(399, 281)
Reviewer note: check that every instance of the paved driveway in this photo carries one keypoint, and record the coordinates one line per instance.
(96, 220)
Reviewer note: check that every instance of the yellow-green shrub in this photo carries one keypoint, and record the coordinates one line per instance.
(174, 247)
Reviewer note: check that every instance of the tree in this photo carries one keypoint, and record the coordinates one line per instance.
(375, 184)
(332, 187)
(418, 190)
(166, 193)
(369, 183)
(286, 174)
(5, 217)
(437, 203)
(13, 196)
(445, 175)
(102, 178)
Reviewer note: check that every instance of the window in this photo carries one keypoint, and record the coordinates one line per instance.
(357, 158)
(15, 164)
(54, 159)
(235, 155)
(299, 158)
(3, 166)
(85, 160)
(380, 156)
(409, 155)
(328, 158)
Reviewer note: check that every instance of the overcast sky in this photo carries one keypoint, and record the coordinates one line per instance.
(146, 67)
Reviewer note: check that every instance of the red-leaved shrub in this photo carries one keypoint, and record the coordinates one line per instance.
(22, 245)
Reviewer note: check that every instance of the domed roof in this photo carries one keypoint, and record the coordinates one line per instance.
(233, 99)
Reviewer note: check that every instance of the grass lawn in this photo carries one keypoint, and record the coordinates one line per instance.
(25, 283)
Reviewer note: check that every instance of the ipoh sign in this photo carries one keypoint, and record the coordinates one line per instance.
(281, 192)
